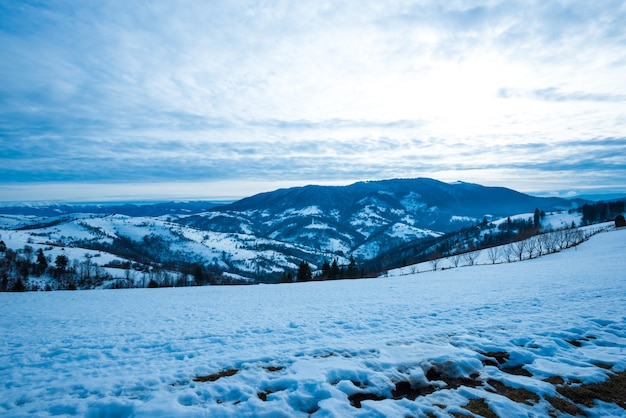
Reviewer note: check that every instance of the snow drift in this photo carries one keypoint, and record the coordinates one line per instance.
(436, 342)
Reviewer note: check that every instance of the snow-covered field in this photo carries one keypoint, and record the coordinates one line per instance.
(419, 344)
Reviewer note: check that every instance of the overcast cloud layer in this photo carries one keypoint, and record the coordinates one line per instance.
(111, 99)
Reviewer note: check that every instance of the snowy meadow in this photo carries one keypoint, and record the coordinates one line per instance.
(511, 339)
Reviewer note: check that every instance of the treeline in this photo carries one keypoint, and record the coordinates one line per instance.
(601, 211)
(527, 248)
(461, 244)
(329, 271)
(28, 270)
(25, 269)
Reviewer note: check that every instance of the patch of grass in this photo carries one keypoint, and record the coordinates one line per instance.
(273, 369)
(603, 366)
(326, 355)
(435, 373)
(357, 398)
(213, 377)
(575, 343)
(612, 391)
(518, 371)
(554, 380)
(405, 390)
(263, 395)
(495, 358)
(480, 407)
(564, 406)
(514, 394)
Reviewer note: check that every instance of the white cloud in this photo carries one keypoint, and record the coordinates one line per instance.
(118, 92)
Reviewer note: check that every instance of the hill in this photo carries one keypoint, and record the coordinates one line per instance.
(541, 337)
(264, 236)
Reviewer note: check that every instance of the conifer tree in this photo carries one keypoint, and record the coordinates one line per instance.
(304, 272)
(334, 270)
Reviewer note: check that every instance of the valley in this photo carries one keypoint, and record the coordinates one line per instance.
(376, 226)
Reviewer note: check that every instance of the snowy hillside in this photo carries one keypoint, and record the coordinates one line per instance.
(366, 219)
(264, 238)
(97, 237)
(540, 337)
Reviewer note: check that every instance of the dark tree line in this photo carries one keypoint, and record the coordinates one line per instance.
(465, 241)
(26, 269)
(329, 271)
(601, 211)
(335, 271)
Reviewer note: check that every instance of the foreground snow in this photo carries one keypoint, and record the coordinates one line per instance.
(399, 346)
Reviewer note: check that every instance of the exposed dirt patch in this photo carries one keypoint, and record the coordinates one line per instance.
(518, 371)
(554, 380)
(405, 390)
(325, 355)
(564, 406)
(514, 394)
(434, 373)
(603, 366)
(575, 343)
(357, 398)
(273, 369)
(213, 377)
(495, 358)
(263, 395)
(612, 391)
(480, 407)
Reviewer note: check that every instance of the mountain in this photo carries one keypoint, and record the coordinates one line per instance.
(129, 209)
(264, 235)
(366, 218)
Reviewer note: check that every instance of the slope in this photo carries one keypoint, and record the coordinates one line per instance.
(513, 339)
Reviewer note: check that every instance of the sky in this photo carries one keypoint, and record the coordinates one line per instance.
(110, 100)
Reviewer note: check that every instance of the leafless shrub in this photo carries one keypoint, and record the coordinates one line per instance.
(494, 254)
(471, 256)
(519, 248)
(455, 259)
(549, 242)
(434, 262)
(531, 246)
(435, 259)
(509, 252)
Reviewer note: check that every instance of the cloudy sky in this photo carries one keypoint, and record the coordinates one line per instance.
(162, 99)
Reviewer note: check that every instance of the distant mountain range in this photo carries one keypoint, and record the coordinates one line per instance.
(129, 209)
(270, 232)
(366, 218)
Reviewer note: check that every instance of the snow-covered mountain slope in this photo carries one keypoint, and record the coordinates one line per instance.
(269, 233)
(368, 218)
(154, 240)
(49, 209)
(541, 337)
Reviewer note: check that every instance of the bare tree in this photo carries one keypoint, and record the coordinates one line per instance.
(519, 248)
(455, 259)
(494, 254)
(549, 242)
(435, 259)
(561, 239)
(471, 256)
(531, 246)
(509, 252)
(434, 262)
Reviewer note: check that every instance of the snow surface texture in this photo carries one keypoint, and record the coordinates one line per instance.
(330, 349)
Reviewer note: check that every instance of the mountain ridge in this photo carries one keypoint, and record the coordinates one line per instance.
(270, 233)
